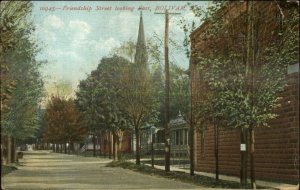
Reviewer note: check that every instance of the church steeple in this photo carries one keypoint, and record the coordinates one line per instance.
(141, 51)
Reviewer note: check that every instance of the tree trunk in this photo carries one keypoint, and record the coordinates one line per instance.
(100, 143)
(191, 139)
(65, 148)
(248, 88)
(13, 149)
(8, 150)
(120, 141)
(152, 150)
(2, 153)
(72, 147)
(138, 150)
(251, 128)
(94, 145)
(132, 143)
(217, 151)
(252, 168)
(109, 146)
(115, 145)
(246, 157)
(105, 147)
(243, 177)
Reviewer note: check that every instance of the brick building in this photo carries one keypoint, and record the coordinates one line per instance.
(106, 143)
(276, 147)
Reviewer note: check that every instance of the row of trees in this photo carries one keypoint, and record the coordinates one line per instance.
(21, 83)
(243, 75)
(115, 97)
(123, 95)
(119, 95)
(62, 124)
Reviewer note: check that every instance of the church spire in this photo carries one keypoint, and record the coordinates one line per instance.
(141, 52)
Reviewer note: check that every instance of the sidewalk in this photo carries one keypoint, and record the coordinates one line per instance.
(281, 186)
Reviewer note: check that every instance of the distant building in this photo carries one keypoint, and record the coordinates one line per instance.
(141, 56)
(104, 143)
(179, 130)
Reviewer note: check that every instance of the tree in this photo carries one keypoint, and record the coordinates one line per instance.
(103, 98)
(155, 75)
(88, 99)
(63, 122)
(110, 76)
(126, 50)
(179, 92)
(138, 100)
(21, 84)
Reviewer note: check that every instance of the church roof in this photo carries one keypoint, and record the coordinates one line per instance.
(141, 51)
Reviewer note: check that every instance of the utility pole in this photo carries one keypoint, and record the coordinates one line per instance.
(252, 65)
(167, 93)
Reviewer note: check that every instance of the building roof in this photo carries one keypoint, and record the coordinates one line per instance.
(178, 121)
(141, 56)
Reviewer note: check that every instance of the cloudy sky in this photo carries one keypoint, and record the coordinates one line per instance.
(74, 41)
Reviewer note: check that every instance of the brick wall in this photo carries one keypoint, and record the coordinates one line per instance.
(126, 143)
(276, 147)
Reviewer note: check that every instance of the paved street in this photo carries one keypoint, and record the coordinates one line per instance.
(45, 170)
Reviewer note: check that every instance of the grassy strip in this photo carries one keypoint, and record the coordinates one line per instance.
(181, 176)
(6, 169)
(161, 162)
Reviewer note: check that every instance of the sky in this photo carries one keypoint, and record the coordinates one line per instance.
(74, 41)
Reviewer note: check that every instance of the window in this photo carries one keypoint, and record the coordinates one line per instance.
(187, 136)
(181, 136)
(177, 137)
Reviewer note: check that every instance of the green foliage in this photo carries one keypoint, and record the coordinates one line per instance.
(178, 83)
(243, 91)
(62, 88)
(138, 97)
(126, 50)
(179, 92)
(201, 15)
(7, 169)
(21, 84)
(99, 96)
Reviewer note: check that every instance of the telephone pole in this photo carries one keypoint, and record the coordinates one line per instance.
(167, 93)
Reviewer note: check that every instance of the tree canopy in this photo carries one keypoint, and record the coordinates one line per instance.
(21, 83)
(63, 122)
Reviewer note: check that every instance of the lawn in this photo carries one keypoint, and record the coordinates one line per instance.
(6, 169)
(200, 180)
